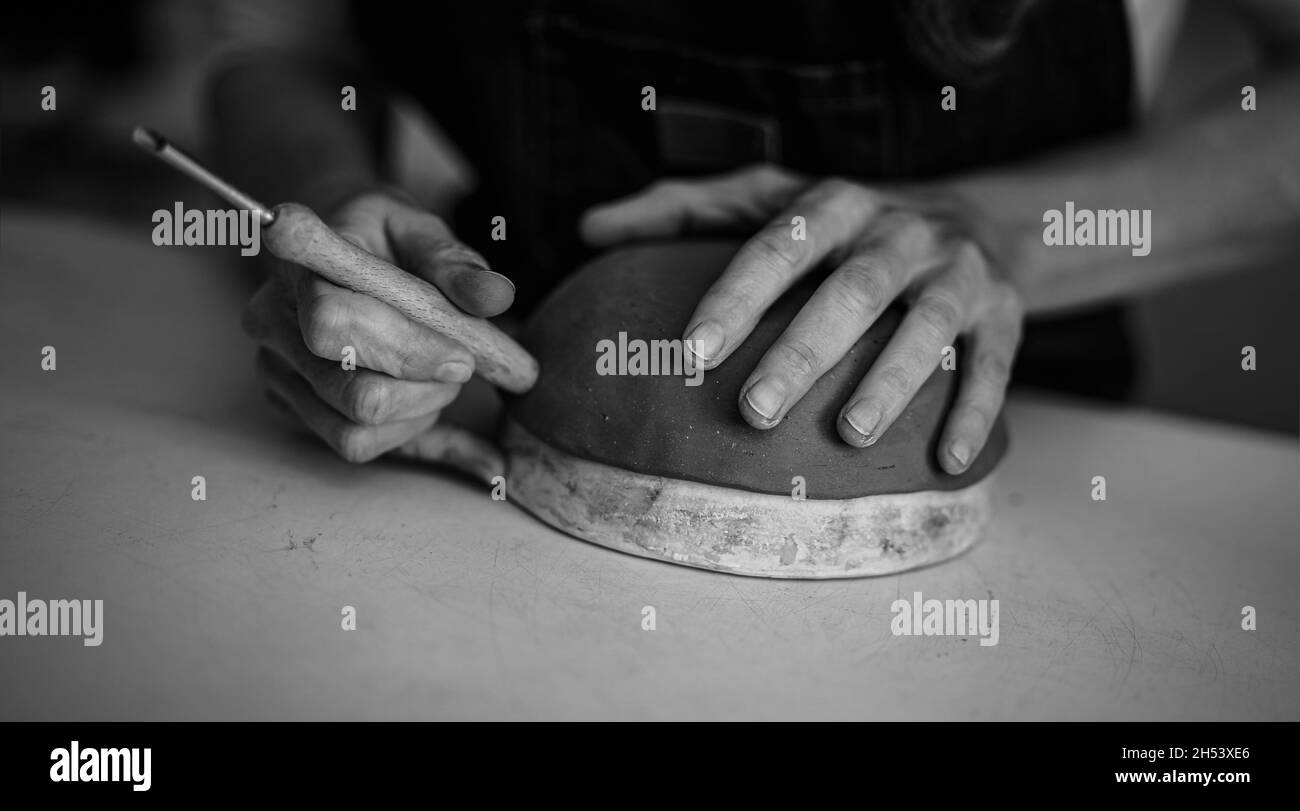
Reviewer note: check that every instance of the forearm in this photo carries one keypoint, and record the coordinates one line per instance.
(281, 130)
(1223, 188)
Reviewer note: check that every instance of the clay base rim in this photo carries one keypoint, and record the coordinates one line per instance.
(736, 531)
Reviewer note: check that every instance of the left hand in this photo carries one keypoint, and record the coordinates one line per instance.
(879, 244)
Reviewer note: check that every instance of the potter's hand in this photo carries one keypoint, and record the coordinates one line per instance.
(404, 373)
(878, 245)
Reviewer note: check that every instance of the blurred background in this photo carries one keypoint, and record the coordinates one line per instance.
(116, 65)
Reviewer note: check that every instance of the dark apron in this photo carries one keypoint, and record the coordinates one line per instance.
(544, 99)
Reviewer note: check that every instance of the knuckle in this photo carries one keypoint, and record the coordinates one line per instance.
(962, 280)
(830, 186)
(369, 400)
(407, 358)
(968, 255)
(762, 177)
(913, 233)
(905, 222)
(771, 184)
(800, 358)
(668, 187)
(324, 323)
(861, 288)
(993, 365)
(415, 351)
(839, 188)
(776, 248)
(978, 418)
(1012, 304)
(939, 313)
(896, 379)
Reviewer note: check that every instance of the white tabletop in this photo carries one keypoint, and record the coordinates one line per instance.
(468, 608)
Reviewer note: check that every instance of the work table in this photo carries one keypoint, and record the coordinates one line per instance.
(230, 608)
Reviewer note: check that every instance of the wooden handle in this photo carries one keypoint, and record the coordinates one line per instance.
(297, 235)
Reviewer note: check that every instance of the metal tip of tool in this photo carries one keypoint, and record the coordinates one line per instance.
(146, 138)
(157, 145)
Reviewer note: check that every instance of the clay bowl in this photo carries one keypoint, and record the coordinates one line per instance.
(648, 465)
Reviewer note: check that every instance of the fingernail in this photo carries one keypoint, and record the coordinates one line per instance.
(766, 397)
(501, 276)
(706, 341)
(961, 452)
(863, 419)
(454, 372)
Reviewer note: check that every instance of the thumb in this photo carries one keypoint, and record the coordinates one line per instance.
(422, 244)
(456, 448)
(670, 208)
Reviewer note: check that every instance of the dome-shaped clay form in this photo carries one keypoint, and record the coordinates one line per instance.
(647, 464)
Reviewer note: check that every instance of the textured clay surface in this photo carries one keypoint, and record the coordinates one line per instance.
(659, 426)
(729, 530)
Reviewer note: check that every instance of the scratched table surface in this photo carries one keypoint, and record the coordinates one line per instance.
(230, 608)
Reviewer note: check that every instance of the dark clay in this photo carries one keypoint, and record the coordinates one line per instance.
(658, 425)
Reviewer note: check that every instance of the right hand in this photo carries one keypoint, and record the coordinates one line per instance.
(405, 372)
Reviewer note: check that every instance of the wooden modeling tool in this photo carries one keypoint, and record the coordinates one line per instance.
(295, 234)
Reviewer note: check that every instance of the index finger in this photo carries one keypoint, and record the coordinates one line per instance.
(831, 215)
(425, 246)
